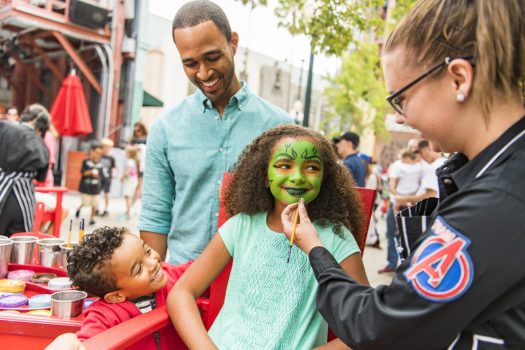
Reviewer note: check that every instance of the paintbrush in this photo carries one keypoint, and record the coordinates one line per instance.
(295, 219)
(69, 233)
(81, 231)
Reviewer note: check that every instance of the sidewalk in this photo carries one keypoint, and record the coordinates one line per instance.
(373, 258)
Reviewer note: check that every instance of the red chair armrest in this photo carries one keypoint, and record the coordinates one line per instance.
(52, 189)
(128, 333)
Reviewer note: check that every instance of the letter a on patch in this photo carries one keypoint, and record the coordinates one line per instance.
(441, 269)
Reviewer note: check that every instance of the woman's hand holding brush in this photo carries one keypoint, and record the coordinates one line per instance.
(306, 236)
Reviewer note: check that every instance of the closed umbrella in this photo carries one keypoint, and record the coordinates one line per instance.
(69, 112)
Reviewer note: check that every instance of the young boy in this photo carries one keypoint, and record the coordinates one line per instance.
(108, 167)
(90, 181)
(128, 277)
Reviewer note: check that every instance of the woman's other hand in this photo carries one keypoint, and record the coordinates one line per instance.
(66, 341)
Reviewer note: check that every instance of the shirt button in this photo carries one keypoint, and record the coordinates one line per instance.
(447, 182)
(221, 149)
(217, 214)
(217, 118)
(219, 182)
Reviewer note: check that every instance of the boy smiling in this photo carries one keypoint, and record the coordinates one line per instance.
(128, 277)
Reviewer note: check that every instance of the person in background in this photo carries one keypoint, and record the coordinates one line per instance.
(49, 199)
(347, 148)
(429, 182)
(192, 144)
(108, 172)
(23, 157)
(455, 70)
(11, 114)
(404, 178)
(90, 183)
(140, 136)
(130, 178)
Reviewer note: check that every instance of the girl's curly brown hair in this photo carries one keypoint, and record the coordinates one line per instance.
(248, 192)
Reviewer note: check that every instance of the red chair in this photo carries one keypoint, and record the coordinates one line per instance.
(54, 215)
(126, 333)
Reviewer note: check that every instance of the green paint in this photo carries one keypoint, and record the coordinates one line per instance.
(295, 171)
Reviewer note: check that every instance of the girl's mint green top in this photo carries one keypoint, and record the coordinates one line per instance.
(270, 304)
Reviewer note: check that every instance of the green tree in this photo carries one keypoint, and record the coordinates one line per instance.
(332, 25)
(357, 93)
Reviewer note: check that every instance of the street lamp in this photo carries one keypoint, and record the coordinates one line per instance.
(308, 10)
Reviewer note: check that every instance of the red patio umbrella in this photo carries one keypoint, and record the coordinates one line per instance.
(69, 112)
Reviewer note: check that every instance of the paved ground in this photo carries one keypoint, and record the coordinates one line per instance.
(374, 259)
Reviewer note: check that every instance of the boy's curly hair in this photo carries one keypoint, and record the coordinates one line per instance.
(338, 203)
(88, 264)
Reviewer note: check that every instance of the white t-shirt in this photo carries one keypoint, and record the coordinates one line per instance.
(409, 176)
(429, 180)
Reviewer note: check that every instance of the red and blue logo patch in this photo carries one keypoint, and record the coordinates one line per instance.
(441, 269)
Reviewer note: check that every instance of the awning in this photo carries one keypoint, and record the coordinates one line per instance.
(149, 100)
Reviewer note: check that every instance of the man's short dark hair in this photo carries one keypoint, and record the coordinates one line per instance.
(39, 116)
(199, 11)
(422, 144)
(349, 136)
(88, 265)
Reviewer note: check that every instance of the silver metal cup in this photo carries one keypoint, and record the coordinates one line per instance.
(65, 249)
(6, 245)
(49, 252)
(68, 303)
(23, 247)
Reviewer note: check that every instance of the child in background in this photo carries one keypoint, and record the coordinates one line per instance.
(269, 303)
(128, 277)
(108, 168)
(130, 178)
(90, 184)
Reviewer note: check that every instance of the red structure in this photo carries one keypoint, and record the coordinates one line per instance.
(41, 40)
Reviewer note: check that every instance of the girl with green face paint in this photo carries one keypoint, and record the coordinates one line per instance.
(295, 171)
(282, 166)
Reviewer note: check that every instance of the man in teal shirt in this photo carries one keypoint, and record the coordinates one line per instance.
(191, 145)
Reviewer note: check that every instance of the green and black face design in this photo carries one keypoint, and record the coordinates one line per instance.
(295, 171)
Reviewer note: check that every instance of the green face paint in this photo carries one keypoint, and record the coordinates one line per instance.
(295, 171)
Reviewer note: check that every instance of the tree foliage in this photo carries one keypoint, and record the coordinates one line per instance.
(332, 25)
(357, 93)
(343, 28)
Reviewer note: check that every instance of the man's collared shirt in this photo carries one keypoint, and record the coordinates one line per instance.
(190, 146)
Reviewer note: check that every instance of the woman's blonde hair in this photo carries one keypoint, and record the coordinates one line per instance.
(492, 32)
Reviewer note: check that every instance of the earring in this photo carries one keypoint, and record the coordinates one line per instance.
(460, 97)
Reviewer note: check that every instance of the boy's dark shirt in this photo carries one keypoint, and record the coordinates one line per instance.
(108, 163)
(90, 184)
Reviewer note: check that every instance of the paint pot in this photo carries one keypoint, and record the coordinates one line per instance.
(68, 303)
(49, 252)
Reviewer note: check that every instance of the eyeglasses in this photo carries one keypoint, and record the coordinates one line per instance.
(395, 100)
